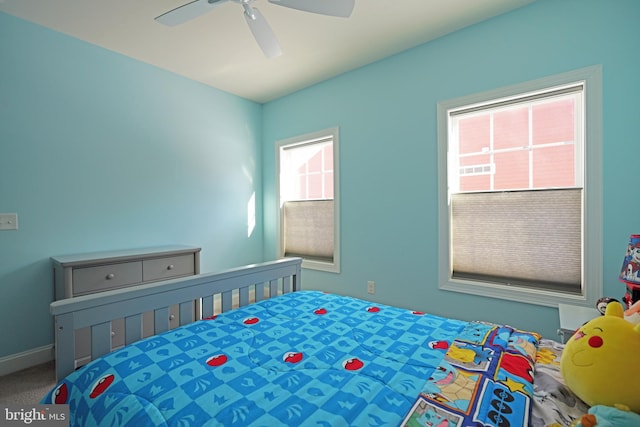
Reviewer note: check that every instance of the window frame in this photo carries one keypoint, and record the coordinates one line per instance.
(591, 78)
(309, 138)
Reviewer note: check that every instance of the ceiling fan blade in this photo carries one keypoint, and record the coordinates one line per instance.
(188, 11)
(262, 32)
(341, 8)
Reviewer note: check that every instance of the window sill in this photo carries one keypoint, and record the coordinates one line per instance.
(322, 266)
(513, 293)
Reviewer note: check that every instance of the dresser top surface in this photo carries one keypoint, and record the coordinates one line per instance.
(123, 255)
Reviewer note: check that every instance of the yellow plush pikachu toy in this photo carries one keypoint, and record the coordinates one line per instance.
(598, 362)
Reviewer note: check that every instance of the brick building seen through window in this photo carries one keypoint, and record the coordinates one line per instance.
(525, 147)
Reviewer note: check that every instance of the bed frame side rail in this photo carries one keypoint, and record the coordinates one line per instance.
(97, 310)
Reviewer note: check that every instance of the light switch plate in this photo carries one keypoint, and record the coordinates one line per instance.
(8, 221)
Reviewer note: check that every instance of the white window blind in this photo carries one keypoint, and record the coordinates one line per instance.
(522, 238)
(543, 95)
(308, 229)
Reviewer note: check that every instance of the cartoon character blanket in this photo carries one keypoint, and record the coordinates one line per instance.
(305, 359)
(485, 379)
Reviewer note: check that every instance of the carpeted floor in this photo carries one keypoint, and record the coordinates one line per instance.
(27, 386)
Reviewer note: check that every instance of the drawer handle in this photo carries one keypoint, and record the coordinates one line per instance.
(110, 276)
(170, 267)
(113, 334)
(171, 317)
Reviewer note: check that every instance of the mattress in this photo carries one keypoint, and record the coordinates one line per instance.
(311, 358)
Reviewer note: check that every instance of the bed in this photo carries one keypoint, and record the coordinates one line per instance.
(263, 352)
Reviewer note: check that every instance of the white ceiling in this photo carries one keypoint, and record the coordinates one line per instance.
(218, 49)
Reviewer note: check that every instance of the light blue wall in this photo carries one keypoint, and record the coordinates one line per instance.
(387, 118)
(101, 152)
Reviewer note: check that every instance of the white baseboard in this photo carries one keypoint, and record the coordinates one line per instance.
(19, 361)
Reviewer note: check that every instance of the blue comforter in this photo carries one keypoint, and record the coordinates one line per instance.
(302, 359)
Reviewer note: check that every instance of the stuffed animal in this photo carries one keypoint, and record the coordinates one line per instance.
(597, 363)
(608, 416)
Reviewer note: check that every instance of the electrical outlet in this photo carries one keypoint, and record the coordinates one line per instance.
(371, 287)
(8, 221)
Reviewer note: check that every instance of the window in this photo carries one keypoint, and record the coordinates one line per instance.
(520, 191)
(308, 199)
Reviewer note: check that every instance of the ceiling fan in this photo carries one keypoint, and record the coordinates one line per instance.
(261, 30)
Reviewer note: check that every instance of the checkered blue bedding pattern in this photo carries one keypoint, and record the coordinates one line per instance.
(302, 359)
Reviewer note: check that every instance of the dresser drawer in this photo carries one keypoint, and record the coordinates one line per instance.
(167, 268)
(104, 277)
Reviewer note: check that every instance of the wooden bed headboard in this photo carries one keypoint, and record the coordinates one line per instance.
(224, 290)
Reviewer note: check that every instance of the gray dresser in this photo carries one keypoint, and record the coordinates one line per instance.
(82, 274)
